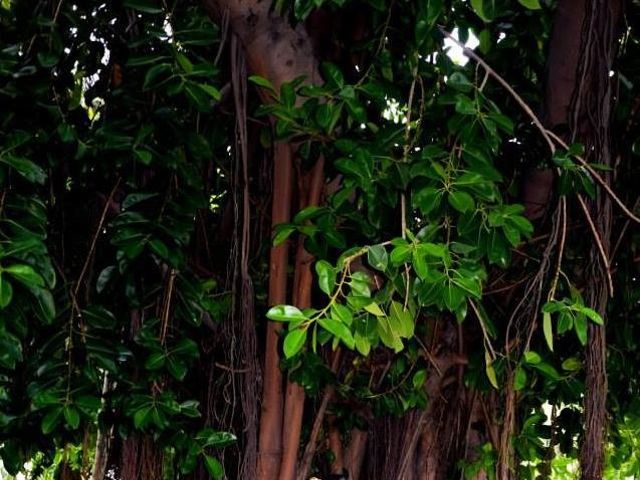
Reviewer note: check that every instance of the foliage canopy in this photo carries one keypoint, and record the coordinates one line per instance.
(136, 151)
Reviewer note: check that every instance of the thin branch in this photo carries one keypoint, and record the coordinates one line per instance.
(534, 118)
(96, 234)
(563, 237)
(487, 339)
(548, 135)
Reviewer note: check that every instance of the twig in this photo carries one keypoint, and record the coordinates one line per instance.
(96, 234)
(471, 54)
(563, 236)
(484, 329)
(166, 308)
(622, 232)
(231, 369)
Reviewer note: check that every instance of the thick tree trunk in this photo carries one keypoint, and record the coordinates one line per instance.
(279, 53)
(355, 452)
(592, 115)
(303, 281)
(270, 440)
(578, 104)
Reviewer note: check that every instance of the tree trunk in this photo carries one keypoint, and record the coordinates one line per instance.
(279, 53)
(591, 115)
(303, 282)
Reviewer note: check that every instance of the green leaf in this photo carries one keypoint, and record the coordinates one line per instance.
(592, 315)
(461, 201)
(401, 253)
(285, 313)
(135, 198)
(547, 328)
(360, 284)
(485, 9)
(72, 417)
(520, 379)
(460, 82)
(186, 347)
(214, 467)
(580, 326)
(465, 105)
(282, 232)
(490, 371)
(332, 75)
(51, 420)
(45, 306)
(419, 378)
(339, 330)
(571, 364)
(565, 322)
(433, 249)
(10, 350)
(89, 404)
(155, 361)
(26, 168)
(530, 4)
(362, 343)
(552, 306)
(453, 296)
(294, 341)
(427, 199)
(402, 318)
(25, 274)
(147, 6)
(184, 62)
(144, 156)
(105, 276)
(6, 292)
(390, 338)
(150, 78)
(212, 438)
(342, 314)
(326, 276)
(374, 309)
(532, 358)
(210, 90)
(261, 82)
(12, 460)
(420, 264)
(356, 111)
(288, 96)
(142, 417)
(308, 213)
(377, 257)
(198, 96)
(548, 371)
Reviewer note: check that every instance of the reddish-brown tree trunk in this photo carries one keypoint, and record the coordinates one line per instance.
(355, 452)
(303, 281)
(270, 440)
(279, 53)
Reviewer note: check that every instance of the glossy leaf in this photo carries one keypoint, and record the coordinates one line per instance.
(294, 341)
(285, 313)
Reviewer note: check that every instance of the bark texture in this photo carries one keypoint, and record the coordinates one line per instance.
(280, 53)
(591, 120)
